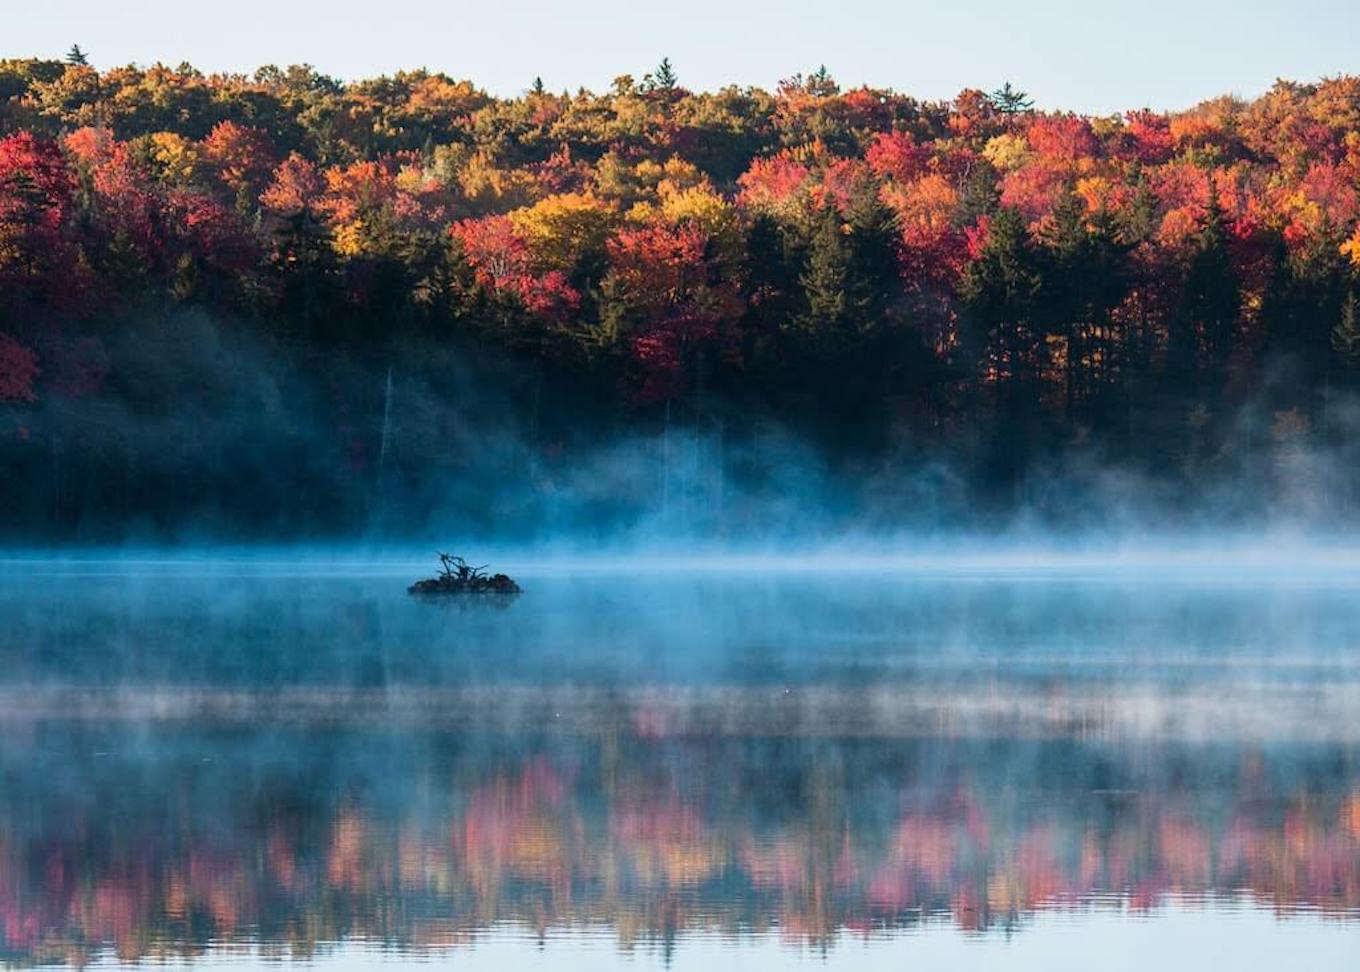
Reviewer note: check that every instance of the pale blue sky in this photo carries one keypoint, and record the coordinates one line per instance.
(1090, 56)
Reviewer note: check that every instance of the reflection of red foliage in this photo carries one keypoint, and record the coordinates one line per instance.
(926, 847)
(536, 827)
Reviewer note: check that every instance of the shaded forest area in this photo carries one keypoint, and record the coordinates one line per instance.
(285, 305)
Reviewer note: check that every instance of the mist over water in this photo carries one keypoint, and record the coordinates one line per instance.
(196, 431)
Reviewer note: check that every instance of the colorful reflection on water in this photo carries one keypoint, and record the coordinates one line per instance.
(154, 843)
(207, 814)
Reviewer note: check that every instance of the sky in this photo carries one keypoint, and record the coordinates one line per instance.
(1087, 56)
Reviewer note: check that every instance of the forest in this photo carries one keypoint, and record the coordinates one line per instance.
(220, 292)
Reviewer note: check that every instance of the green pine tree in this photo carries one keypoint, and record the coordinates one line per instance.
(664, 77)
(1346, 334)
(1001, 292)
(1009, 100)
(825, 281)
(1202, 332)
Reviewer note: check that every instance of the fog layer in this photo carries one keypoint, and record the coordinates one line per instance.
(204, 433)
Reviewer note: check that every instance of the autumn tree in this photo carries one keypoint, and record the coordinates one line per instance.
(36, 196)
(300, 241)
(503, 265)
(664, 301)
(242, 158)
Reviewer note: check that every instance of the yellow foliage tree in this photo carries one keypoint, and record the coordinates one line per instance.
(1351, 248)
(177, 158)
(563, 228)
(491, 189)
(1007, 152)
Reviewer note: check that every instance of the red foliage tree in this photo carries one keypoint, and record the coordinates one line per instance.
(896, 155)
(242, 158)
(296, 186)
(36, 190)
(501, 263)
(1151, 137)
(771, 182)
(663, 278)
(1062, 138)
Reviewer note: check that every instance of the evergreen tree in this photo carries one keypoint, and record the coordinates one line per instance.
(1001, 291)
(980, 192)
(825, 281)
(1139, 223)
(75, 56)
(821, 83)
(772, 275)
(1202, 331)
(851, 278)
(1346, 334)
(1083, 285)
(875, 278)
(1002, 335)
(1305, 303)
(1009, 100)
(664, 77)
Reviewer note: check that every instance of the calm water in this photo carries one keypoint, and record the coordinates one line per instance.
(211, 764)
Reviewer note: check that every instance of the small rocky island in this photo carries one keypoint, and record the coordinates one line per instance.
(457, 576)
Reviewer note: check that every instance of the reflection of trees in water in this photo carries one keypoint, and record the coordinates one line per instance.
(425, 842)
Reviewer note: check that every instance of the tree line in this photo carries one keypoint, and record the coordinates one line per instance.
(849, 260)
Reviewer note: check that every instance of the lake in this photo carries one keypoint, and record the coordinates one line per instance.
(689, 766)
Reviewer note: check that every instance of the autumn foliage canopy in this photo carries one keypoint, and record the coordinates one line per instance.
(863, 242)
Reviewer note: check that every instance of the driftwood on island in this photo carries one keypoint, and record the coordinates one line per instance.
(457, 576)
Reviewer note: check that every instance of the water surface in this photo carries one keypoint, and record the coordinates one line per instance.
(238, 763)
